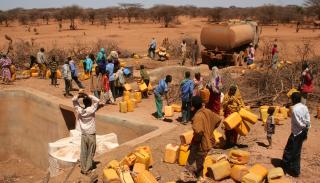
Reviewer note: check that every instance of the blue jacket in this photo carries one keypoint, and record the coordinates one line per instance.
(88, 64)
(186, 89)
(161, 88)
(110, 68)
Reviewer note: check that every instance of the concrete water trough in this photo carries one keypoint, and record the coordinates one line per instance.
(30, 119)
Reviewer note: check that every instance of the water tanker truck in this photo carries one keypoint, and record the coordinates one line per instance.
(226, 43)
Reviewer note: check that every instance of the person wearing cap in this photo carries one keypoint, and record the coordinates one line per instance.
(300, 124)
(204, 123)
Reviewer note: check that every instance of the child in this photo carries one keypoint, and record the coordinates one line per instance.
(96, 82)
(107, 94)
(53, 66)
(270, 126)
(67, 78)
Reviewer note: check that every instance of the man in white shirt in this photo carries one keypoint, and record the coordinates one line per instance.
(86, 121)
(300, 124)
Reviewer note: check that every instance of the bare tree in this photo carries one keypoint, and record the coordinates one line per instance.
(71, 13)
(131, 9)
(92, 15)
(46, 17)
(166, 14)
(23, 19)
(215, 14)
(314, 6)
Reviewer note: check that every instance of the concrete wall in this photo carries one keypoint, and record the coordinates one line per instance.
(29, 120)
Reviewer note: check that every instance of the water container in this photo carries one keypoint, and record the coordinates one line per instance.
(186, 137)
(131, 105)
(259, 170)
(48, 74)
(281, 180)
(148, 150)
(232, 121)
(293, 90)
(275, 173)
(129, 160)
(252, 178)
(145, 177)
(284, 112)
(110, 176)
(183, 154)
(123, 107)
(238, 157)
(171, 153)
(139, 167)
(34, 74)
(143, 157)
(176, 107)
(150, 88)
(59, 74)
(34, 69)
(264, 113)
(138, 96)
(127, 87)
(238, 171)
(243, 128)
(205, 95)
(168, 111)
(248, 116)
(219, 170)
(211, 159)
(143, 87)
(125, 177)
(114, 164)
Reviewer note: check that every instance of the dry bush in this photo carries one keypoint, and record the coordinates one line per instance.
(21, 52)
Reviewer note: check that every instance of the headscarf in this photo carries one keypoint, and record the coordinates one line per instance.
(215, 82)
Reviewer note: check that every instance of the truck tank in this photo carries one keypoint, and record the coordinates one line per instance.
(226, 37)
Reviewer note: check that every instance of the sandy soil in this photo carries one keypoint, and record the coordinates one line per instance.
(135, 37)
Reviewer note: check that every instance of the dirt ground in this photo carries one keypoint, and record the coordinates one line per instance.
(135, 37)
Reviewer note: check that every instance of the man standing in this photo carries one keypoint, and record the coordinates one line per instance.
(160, 91)
(186, 88)
(183, 47)
(300, 124)
(74, 73)
(42, 61)
(67, 78)
(195, 53)
(152, 48)
(204, 123)
(87, 123)
(53, 66)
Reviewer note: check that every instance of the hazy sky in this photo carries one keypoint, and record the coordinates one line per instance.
(9, 4)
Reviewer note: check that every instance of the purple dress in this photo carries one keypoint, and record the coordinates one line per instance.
(5, 68)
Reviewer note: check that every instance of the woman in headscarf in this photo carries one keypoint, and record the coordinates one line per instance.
(198, 84)
(215, 86)
(5, 64)
(101, 59)
(232, 102)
